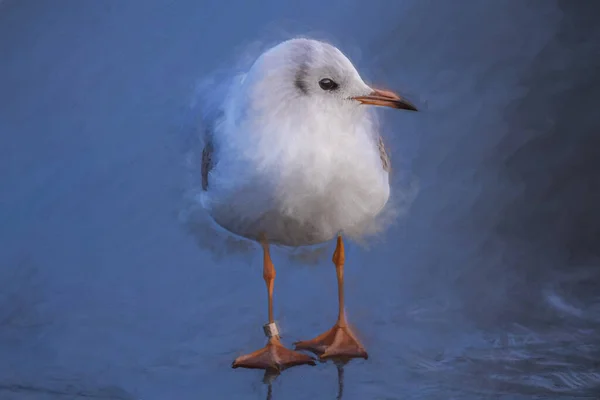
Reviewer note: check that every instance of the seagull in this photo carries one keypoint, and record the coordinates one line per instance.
(294, 158)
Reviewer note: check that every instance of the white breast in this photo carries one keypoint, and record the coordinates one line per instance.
(298, 181)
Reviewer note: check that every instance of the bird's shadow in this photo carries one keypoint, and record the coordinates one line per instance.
(271, 375)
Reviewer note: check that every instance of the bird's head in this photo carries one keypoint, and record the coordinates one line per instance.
(315, 73)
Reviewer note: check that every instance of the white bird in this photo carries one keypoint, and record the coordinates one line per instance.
(295, 158)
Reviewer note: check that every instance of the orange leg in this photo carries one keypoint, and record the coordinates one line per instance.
(339, 341)
(274, 356)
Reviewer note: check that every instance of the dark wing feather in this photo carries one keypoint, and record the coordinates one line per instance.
(207, 160)
(208, 106)
(385, 158)
(209, 155)
(212, 113)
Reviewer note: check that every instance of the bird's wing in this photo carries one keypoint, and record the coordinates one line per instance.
(209, 155)
(385, 158)
(211, 98)
(207, 160)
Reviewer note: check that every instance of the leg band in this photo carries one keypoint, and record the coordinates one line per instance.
(271, 330)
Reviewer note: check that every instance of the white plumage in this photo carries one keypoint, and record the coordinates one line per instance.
(291, 158)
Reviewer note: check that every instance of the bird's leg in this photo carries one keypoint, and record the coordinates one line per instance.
(338, 342)
(274, 356)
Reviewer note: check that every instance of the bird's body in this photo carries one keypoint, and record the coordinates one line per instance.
(295, 158)
(294, 169)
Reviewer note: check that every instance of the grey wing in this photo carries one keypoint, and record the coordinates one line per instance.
(209, 153)
(207, 160)
(212, 113)
(383, 155)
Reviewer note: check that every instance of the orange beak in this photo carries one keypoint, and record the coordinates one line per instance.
(387, 99)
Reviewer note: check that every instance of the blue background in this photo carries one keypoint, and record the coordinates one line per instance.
(485, 288)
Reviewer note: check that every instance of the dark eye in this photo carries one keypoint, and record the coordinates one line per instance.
(328, 84)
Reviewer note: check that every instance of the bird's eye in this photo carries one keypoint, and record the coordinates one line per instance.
(328, 84)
